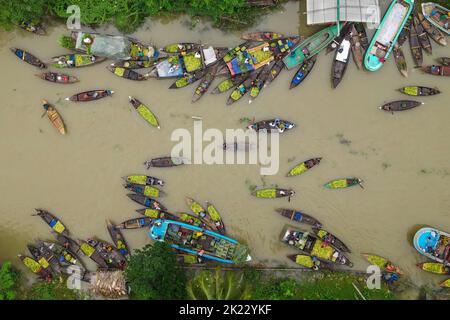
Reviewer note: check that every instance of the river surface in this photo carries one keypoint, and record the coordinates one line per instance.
(402, 158)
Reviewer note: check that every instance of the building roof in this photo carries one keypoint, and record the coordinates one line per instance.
(326, 11)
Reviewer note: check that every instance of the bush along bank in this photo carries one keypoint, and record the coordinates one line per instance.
(128, 15)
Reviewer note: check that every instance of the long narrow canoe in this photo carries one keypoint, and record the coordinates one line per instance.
(28, 58)
(432, 30)
(200, 212)
(181, 47)
(400, 105)
(205, 82)
(262, 36)
(52, 221)
(157, 214)
(400, 60)
(311, 46)
(67, 242)
(65, 256)
(357, 49)
(242, 88)
(272, 193)
(303, 72)
(133, 64)
(146, 190)
(422, 35)
(75, 60)
(48, 261)
(331, 239)
(438, 15)
(127, 73)
(90, 252)
(146, 201)
(57, 77)
(386, 36)
(434, 267)
(54, 117)
(35, 267)
(433, 244)
(274, 72)
(299, 216)
(215, 217)
(303, 167)
(381, 262)
(437, 70)
(118, 239)
(144, 112)
(258, 83)
(229, 83)
(164, 162)
(309, 262)
(136, 223)
(415, 47)
(341, 59)
(419, 91)
(277, 124)
(343, 183)
(362, 35)
(90, 95)
(34, 28)
(188, 78)
(404, 34)
(144, 180)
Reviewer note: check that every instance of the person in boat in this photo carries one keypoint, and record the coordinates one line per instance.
(316, 263)
(390, 267)
(390, 278)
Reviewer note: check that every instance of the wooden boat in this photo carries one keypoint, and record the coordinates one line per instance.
(144, 112)
(445, 284)
(309, 262)
(303, 167)
(438, 15)
(387, 33)
(64, 255)
(331, 239)
(299, 216)
(118, 239)
(414, 45)
(357, 49)
(433, 244)
(303, 72)
(34, 28)
(400, 60)
(164, 162)
(404, 34)
(67, 242)
(49, 256)
(359, 26)
(419, 91)
(215, 217)
(187, 79)
(341, 59)
(189, 259)
(444, 61)
(193, 220)
(146, 201)
(28, 58)
(242, 88)
(91, 95)
(243, 59)
(136, 223)
(432, 31)
(157, 214)
(199, 242)
(133, 64)
(35, 267)
(148, 191)
(229, 83)
(272, 193)
(343, 183)
(382, 263)
(262, 36)
(108, 252)
(144, 180)
(274, 72)
(181, 47)
(437, 70)
(75, 60)
(400, 105)
(434, 267)
(52, 221)
(205, 82)
(423, 37)
(45, 258)
(347, 27)
(54, 117)
(127, 73)
(201, 213)
(278, 125)
(309, 244)
(57, 77)
(258, 83)
(236, 146)
(311, 46)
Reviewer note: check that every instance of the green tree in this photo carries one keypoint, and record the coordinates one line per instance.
(54, 290)
(218, 285)
(16, 12)
(154, 273)
(8, 282)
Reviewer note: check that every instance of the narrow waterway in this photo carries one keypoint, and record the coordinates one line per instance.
(402, 158)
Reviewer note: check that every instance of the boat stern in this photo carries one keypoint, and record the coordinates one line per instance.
(372, 63)
(158, 230)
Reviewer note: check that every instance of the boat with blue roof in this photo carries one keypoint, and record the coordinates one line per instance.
(434, 244)
(199, 242)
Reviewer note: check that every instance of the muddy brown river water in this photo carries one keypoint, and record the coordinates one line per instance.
(403, 158)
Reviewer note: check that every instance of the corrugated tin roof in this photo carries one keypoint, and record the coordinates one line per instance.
(325, 11)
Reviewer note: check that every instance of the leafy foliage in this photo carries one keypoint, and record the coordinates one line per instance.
(153, 273)
(15, 12)
(54, 290)
(218, 285)
(8, 282)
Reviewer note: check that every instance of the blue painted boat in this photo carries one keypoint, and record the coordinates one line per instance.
(199, 242)
(438, 15)
(386, 36)
(433, 244)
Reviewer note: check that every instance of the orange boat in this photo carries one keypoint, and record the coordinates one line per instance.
(54, 117)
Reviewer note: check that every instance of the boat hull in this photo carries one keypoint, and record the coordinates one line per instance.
(427, 241)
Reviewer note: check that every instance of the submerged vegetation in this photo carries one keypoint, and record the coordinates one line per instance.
(128, 15)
